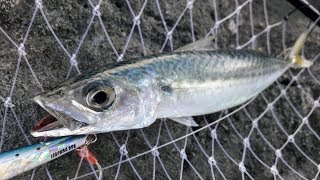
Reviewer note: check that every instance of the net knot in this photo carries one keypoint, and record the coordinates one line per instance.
(169, 34)
(155, 151)
(217, 25)
(21, 50)
(318, 167)
(254, 38)
(215, 28)
(295, 78)
(214, 134)
(8, 103)
(268, 28)
(136, 20)
(123, 150)
(283, 92)
(291, 138)
(278, 153)
(183, 154)
(270, 106)
(316, 103)
(190, 4)
(274, 170)
(242, 168)
(255, 123)
(73, 60)
(212, 161)
(39, 4)
(120, 58)
(305, 120)
(212, 31)
(246, 142)
(96, 11)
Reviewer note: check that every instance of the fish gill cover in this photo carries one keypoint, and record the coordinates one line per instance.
(274, 135)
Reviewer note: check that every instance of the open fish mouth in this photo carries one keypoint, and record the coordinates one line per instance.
(56, 120)
(47, 123)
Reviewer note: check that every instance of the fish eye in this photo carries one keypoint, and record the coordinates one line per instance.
(100, 97)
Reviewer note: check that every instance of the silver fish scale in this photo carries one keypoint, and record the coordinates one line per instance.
(220, 63)
(203, 82)
(213, 65)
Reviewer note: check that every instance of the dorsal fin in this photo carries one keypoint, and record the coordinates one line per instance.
(201, 44)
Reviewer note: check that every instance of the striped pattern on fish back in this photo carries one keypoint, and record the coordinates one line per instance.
(205, 65)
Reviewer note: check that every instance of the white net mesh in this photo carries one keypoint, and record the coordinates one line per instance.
(276, 135)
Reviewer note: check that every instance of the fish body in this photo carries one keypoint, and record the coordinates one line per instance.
(200, 82)
(134, 93)
(15, 162)
(204, 82)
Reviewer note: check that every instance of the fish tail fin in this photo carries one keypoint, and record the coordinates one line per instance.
(298, 61)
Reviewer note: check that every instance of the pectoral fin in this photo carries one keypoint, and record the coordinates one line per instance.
(187, 120)
(201, 44)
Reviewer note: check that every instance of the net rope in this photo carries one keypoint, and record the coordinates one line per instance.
(217, 153)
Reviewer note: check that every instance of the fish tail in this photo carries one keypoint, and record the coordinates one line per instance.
(298, 61)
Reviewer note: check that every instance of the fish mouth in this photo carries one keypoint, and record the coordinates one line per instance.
(49, 126)
(47, 123)
(56, 120)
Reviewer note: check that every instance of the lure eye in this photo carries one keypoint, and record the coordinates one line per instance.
(101, 97)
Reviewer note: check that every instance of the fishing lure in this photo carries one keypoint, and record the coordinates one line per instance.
(178, 85)
(15, 162)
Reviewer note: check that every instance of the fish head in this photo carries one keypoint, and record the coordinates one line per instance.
(99, 104)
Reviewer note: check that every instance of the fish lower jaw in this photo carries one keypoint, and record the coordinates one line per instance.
(57, 132)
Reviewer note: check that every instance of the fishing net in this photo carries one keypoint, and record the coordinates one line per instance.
(275, 135)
